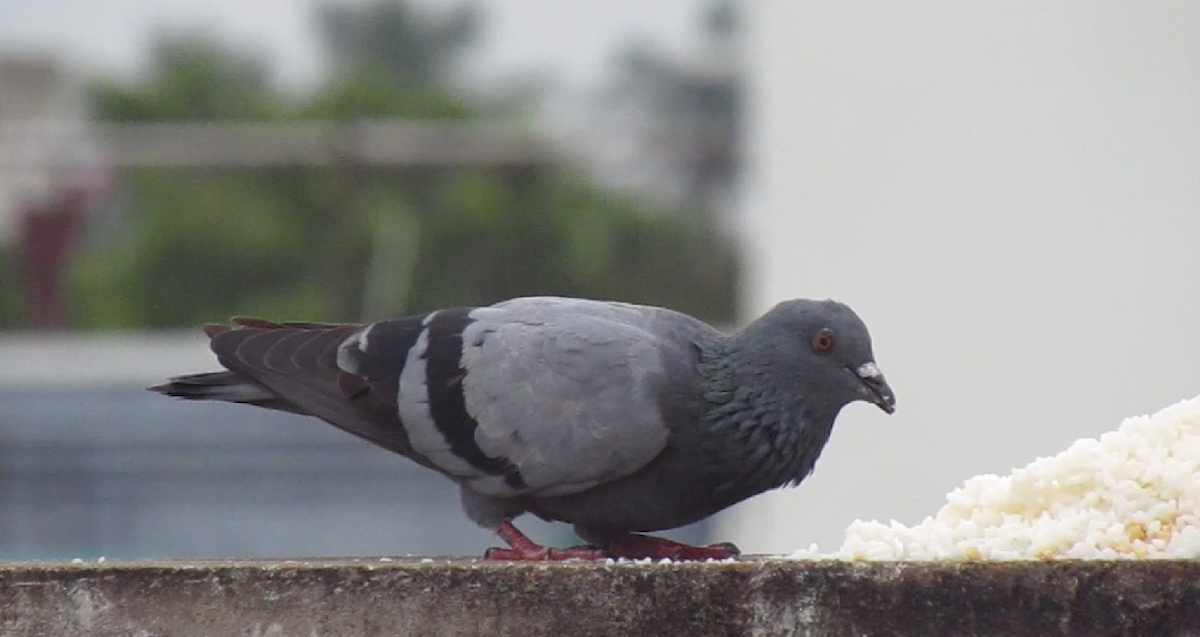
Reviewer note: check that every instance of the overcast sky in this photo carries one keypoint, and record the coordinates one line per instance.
(570, 39)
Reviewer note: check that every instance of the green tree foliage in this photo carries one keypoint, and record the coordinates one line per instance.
(199, 246)
(561, 234)
(193, 78)
(369, 94)
(194, 240)
(12, 300)
(400, 40)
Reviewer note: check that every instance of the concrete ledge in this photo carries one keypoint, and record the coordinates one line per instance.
(324, 598)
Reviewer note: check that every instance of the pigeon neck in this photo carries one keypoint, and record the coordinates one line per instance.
(760, 418)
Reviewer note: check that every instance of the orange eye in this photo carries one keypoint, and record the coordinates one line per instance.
(823, 341)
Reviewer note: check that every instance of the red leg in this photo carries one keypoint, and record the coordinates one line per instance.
(637, 546)
(523, 549)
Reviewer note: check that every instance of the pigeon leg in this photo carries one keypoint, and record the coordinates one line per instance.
(523, 549)
(637, 546)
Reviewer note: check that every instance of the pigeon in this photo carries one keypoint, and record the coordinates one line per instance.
(619, 419)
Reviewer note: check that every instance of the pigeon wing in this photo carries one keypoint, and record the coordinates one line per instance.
(570, 401)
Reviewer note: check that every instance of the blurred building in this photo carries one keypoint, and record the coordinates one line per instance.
(668, 125)
(50, 175)
(1008, 194)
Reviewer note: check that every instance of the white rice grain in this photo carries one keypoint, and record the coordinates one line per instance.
(1134, 493)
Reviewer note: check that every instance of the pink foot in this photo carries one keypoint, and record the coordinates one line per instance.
(636, 546)
(523, 549)
(545, 554)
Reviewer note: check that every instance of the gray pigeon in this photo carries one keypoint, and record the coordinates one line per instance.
(616, 418)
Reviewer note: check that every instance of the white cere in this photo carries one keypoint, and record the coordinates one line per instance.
(868, 370)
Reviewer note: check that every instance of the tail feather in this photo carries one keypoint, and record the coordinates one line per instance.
(292, 367)
(224, 386)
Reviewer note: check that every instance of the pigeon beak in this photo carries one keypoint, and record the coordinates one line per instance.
(875, 388)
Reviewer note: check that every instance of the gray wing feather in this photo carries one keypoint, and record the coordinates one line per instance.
(568, 390)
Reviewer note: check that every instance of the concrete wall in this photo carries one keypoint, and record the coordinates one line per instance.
(1009, 193)
(366, 598)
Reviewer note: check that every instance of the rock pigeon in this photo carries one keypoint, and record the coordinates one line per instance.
(619, 419)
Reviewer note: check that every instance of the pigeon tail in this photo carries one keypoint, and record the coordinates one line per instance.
(224, 386)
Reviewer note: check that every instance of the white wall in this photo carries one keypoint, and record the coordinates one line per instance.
(1009, 194)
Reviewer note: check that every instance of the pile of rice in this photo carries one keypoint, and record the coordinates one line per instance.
(1134, 493)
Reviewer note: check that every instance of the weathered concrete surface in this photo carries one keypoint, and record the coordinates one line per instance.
(325, 598)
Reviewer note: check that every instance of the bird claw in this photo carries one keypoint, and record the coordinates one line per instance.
(523, 549)
(635, 546)
(631, 546)
(545, 554)
(718, 551)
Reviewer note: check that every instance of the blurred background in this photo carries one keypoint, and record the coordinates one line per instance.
(1009, 195)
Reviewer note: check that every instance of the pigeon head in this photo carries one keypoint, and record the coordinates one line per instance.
(825, 348)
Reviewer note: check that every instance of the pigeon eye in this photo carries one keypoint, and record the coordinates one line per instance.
(823, 341)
